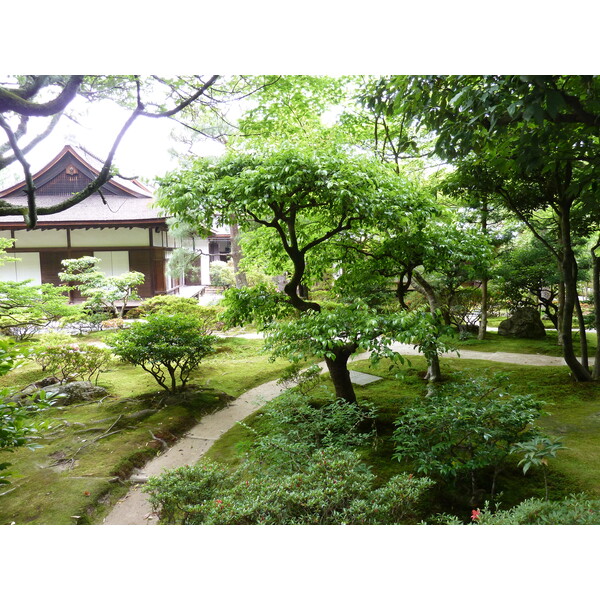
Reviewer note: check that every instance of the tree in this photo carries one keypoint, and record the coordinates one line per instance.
(527, 275)
(16, 426)
(302, 198)
(34, 98)
(112, 292)
(168, 346)
(26, 308)
(536, 136)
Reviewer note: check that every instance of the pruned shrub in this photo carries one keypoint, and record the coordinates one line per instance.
(60, 356)
(168, 346)
(464, 429)
(575, 510)
(211, 316)
(334, 487)
(304, 467)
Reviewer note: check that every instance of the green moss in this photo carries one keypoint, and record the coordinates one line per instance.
(96, 466)
(547, 346)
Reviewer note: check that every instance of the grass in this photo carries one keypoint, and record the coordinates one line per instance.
(46, 491)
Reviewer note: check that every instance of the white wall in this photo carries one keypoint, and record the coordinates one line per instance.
(113, 262)
(28, 267)
(102, 238)
(50, 238)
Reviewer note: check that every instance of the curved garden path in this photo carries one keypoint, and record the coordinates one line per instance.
(134, 508)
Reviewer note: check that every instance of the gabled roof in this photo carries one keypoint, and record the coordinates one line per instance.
(123, 202)
(82, 167)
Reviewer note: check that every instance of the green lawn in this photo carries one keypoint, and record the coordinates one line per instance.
(45, 491)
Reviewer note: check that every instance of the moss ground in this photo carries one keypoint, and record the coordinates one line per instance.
(73, 479)
(547, 346)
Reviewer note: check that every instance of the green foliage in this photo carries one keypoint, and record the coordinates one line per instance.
(182, 263)
(536, 453)
(165, 345)
(25, 308)
(84, 318)
(221, 274)
(358, 325)
(297, 428)
(575, 510)
(463, 429)
(335, 487)
(166, 303)
(16, 426)
(302, 471)
(60, 356)
(261, 304)
(209, 316)
(101, 289)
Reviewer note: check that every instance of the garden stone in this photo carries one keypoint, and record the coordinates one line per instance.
(75, 392)
(524, 323)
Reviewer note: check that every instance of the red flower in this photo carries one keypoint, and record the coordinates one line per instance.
(475, 514)
(86, 493)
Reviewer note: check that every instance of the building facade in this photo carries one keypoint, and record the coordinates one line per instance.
(120, 226)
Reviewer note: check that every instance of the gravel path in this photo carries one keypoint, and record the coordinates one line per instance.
(134, 508)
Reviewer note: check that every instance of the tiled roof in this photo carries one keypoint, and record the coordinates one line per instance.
(115, 209)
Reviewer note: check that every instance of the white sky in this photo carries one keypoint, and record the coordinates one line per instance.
(143, 152)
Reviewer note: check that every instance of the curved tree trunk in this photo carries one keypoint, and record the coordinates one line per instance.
(340, 375)
(569, 274)
(434, 372)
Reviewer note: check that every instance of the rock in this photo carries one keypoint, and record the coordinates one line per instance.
(75, 392)
(524, 323)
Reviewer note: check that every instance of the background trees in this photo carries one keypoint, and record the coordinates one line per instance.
(533, 141)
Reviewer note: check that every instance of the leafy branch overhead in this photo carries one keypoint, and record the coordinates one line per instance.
(30, 99)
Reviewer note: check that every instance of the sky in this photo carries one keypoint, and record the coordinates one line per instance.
(143, 152)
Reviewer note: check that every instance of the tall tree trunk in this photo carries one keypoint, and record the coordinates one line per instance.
(582, 334)
(569, 276)
(236, 255)
(596, 288)
(484, 310)
(484, 282)
(340, 375)
(560, 311)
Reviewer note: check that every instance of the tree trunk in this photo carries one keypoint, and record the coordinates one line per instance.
(582, 335)
(484, 282)
(484, 310)
(596, 287)
(340, 376)
(434, 372)
(569, 275)
(236, 255)
(561, 304)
